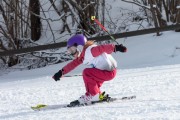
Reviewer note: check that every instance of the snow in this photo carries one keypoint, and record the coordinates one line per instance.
(178, 7)
(150, 70)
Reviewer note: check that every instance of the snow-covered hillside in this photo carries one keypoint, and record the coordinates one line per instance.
(150, 70)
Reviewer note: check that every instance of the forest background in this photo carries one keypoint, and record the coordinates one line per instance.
(27, 23)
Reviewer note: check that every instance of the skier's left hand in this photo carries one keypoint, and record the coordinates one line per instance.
(58, 75)
(120, 48)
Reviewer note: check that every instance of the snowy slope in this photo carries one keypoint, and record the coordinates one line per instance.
(157, 90)
(147, 70)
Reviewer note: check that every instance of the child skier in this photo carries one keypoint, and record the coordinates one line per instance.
(103, 65)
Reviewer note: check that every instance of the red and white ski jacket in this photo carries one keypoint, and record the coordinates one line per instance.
(96, 56)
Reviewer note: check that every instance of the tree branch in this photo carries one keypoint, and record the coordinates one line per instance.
(147, 7)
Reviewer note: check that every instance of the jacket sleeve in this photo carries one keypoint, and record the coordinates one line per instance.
(98, 50)
(72, 65)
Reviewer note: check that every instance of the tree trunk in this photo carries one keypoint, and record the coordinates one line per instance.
(166, 10)
(154, 15)
(178, 14)
(34, 6)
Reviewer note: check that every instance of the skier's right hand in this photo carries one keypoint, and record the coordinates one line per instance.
(58, 75)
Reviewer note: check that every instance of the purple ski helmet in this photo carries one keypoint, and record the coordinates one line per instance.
(78, 39)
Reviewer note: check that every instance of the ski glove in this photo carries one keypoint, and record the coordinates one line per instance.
(58, 75)
(120, 48)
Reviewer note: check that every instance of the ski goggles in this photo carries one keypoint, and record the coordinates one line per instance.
(72, 50)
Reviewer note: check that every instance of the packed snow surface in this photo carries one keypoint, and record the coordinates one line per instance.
(150, 70)
(156, 88)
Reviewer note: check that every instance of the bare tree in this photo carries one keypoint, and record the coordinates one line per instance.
(81, 12)
(65, 26)
(14, 27)
(154, 15)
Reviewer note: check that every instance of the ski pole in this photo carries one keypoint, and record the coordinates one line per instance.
(72, 75)
(97, 21)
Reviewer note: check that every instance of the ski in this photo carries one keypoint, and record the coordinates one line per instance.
(76, 103)
(108, 99)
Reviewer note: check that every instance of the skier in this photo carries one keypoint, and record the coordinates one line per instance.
(103, 65)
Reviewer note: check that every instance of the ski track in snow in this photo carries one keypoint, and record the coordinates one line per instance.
(156, 89)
